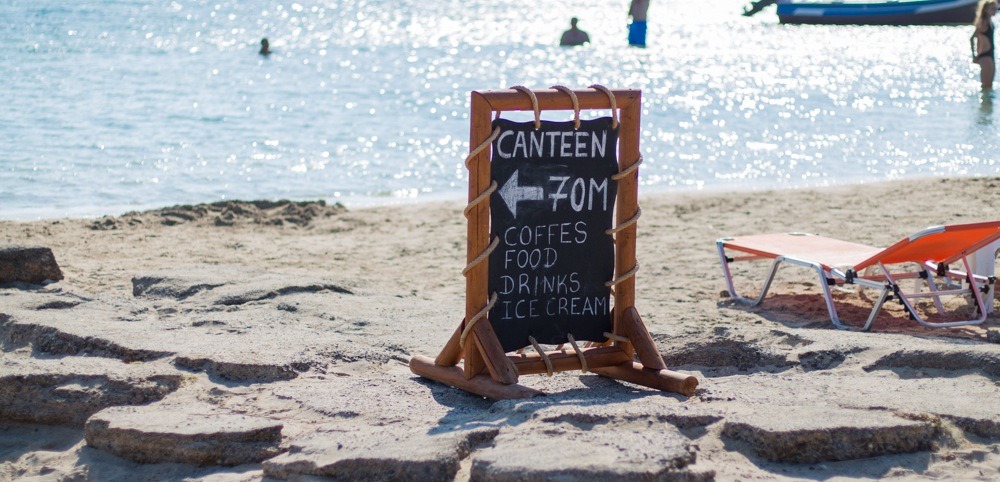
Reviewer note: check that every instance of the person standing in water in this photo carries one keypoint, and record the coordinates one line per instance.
(265, 47)
(574, 36)
(982, 41)
(637, 29)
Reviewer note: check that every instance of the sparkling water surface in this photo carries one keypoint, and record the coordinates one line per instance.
(109, 106)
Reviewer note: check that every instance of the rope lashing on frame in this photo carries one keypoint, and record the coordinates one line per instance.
(541, 353)
(482, 145)
(480, 198)
(635, 217)
(614, 104)
(493, 245)
(623, 277)
(482, 256)
(632, 220)
(579, 354)
(628, 170)
(576, 103)
(534, 104)
(472, 322)
(629, 222)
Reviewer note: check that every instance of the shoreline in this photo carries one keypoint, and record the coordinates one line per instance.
(368, 202)
(262, 340)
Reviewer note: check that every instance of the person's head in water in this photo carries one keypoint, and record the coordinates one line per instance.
(574, 36)
(265, 47)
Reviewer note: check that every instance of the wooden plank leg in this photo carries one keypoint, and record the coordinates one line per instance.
(666, 380)
(500, 368)
(474, 363)
(483, 353)
(645, 347)
(452, 351)
(481, 384)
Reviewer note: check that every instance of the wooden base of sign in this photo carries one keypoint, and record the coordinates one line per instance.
(482, 384)
(609, 361)
(666, 380)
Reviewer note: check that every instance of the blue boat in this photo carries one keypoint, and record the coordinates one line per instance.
(903, 12)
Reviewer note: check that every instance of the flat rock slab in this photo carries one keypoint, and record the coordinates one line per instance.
(68, 391)
(78, 331)
(379, 455)
(967, 400)
(250, 344)
(227, 285)
(183, 434)
(808, 435)
(963, 395)
(28, 264)
(570, 454)
(982, 358)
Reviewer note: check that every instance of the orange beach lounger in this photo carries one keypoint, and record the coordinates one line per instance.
(928, 254)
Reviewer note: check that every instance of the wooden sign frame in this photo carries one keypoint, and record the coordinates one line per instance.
(487, 370)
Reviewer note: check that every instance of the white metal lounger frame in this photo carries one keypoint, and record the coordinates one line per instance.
(887, 283)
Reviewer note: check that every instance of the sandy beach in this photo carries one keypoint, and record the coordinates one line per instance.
(249, 341)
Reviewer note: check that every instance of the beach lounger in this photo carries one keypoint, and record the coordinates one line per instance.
(926, 257)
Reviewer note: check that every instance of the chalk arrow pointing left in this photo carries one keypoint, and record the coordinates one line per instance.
(513, 194)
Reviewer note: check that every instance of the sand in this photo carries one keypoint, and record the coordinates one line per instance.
(239, 341)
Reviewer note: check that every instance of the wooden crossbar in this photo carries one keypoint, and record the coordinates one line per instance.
(552, 99)
(563, 360)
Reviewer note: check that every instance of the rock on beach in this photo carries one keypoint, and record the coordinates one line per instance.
(187, 435)
(68, 391)
(571, 454)
(379, 454)
(28, 264)
(808, 435)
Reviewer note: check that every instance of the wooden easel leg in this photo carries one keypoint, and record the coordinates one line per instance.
(652, 372)
(500, 368)
(474, 375)
(474, 363)
(645, 348)
(452, 351)
(481, 384)
(666, 380)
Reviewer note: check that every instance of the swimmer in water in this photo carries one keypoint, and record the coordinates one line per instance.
(982, 42)
(574, 36)
(265, 47)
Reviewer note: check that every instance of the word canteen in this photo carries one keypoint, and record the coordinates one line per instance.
(528, 144)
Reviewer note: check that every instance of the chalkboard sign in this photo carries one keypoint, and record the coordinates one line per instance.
(555, 201)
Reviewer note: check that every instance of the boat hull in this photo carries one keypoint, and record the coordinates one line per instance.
(931, 12)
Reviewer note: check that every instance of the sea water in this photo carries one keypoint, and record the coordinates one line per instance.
(115, 105)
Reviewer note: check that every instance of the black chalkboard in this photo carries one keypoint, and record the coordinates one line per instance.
(554, 202)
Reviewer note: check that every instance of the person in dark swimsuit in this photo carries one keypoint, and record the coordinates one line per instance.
(983, 42)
